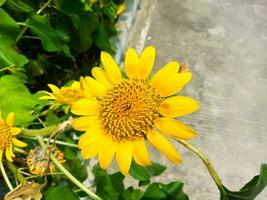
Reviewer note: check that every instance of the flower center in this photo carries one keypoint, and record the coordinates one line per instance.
(71, 95)
(129, 109)
(5, 137)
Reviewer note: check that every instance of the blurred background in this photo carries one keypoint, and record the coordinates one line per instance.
(224, 43)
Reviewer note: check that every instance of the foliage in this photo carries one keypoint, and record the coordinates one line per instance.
(250, 190)
(54, 43)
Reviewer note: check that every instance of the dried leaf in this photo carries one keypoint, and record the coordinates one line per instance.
(26, 191)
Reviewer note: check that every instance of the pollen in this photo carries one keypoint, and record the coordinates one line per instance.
(129, 109)
(5, 137)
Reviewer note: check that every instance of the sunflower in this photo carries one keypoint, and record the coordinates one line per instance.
(8, 137)
(126, 111)
(65, 95)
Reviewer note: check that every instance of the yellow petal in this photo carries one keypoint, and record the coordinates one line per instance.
(146, 62)
(131, 62)
(90, 150)
(124, 156)
(10, 119)
(95, 88)
(8, 156)
(18, 143)
(54, 88)
(106, 151)
(99, 75)
(174, 128)
(172, 84)
(163, 145)
(178, 106)
(47, 97)
(112, 70)
(15, 130)
(11, 150)
(165, 72)
(83, 123)
(1, 155)
(85, 107)
(140, 153)
(76, 85)
(91, 135)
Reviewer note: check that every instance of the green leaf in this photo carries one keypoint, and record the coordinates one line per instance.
(9, 29)
(8, 33)
(19, 5)
(132, 194)
(101, 39)
(159, 191)
(15, 97)
(79, 23)
(52, 40)
(59, 193)
(10, 58)
(250, 190)
(110, 10)
(108, 186)
(2, 2)
(143, 174)
(77, 167)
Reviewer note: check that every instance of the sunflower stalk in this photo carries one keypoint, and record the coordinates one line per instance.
(206, 161)
(54, 141)
(3, 171)
(66, 172)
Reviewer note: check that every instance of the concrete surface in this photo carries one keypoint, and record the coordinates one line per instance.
(224, 42)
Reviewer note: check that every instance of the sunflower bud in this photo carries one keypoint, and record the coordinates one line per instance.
(39, 162)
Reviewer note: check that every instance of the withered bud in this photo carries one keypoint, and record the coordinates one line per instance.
(39, 163)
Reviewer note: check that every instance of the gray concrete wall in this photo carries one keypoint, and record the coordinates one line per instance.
(225, 44)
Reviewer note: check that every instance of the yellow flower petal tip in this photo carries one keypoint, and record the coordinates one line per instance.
(8, 135)
(125, 112)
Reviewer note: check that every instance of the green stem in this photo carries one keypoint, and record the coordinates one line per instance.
(16, 172)
(67, 173)
(5, 176)
(7, 68)
(43, 7)
(24, 29)
(40, 132)
(50, 130)
(54, 141)
(206, 161)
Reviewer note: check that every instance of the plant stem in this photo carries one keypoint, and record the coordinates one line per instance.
(67, 173)
(24, 29)
(40, 132)
(5, 176)
(50, 130)
(206, 161)
(55, 141)
(7, 68)
(43, 7)
(16, 172)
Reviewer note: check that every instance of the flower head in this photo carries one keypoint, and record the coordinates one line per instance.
(39, 162)
(8, 138)
(127, 111)
(65, 95)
